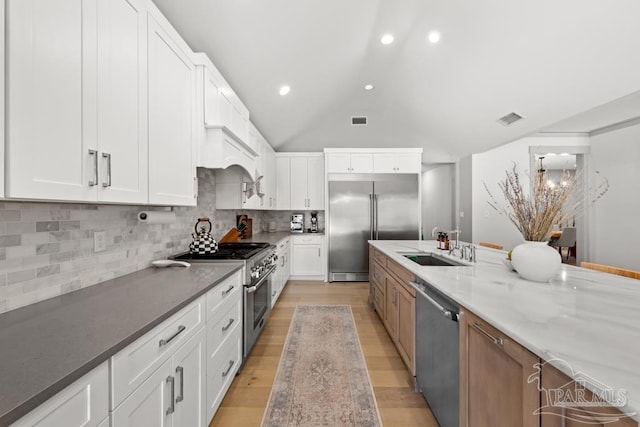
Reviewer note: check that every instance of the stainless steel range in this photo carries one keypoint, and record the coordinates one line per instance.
(258, 263)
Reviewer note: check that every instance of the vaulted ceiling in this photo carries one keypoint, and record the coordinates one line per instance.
(546, 60)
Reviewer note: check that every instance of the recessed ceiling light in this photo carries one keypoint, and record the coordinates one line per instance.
(369, 87)
(434, 36)
(386, 39)
(284, 90)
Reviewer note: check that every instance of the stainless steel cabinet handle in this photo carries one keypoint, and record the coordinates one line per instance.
(318, 252)
(108, 157)
(224, 328)
(180, 370)
(497, 341)
(447, 313)
(195, 187)
(94, 181)
(172, 408)
(225, 292)
(231, 363)
(164, 342)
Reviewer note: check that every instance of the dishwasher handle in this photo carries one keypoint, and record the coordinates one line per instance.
(447, 313)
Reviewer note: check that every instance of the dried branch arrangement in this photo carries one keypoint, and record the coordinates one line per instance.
(535, 213)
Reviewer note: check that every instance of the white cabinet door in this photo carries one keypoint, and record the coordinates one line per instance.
(307, 260)
(211, 99)
(283, 183)
(339, 163)
(298, 179)
(315, 183)
(189, 372)
(47, 144)
(151, 404)
(362, 163)
(84, 403)
(2, 96)
(122, 100)
(397, 162)
(408, 163)
(171, 126)
(384, 163)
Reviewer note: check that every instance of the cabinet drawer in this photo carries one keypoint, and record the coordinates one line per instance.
(283, 245)
(307, 240)
(225, 291)
(221, 368)
(403, 275)
(378, 274)
(134, 364)
(380, 257)
(223, 323)
(83, 403)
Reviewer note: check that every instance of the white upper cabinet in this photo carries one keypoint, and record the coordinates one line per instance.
(401, 162)
(2, 96)
(306, 183)
(349, 162)
(47, 145)
(172, 172)
(74, 117)
(283, 182)
(122, 95)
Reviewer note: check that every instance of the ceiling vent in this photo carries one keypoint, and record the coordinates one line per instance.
(509, 119)
(358, 120)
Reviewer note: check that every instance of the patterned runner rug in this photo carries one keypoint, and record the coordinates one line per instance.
(322, 378)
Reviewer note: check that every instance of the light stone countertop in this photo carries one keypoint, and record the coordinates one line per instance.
(589, 319)
(47, 346)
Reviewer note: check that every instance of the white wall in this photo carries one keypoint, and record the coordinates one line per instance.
(438, 197)
(490, 167)
(616, 155)
(465, 199)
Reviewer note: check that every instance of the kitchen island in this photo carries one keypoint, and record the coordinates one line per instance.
(49, 345)
(585, 323)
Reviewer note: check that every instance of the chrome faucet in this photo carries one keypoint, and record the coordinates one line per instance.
(468, 252)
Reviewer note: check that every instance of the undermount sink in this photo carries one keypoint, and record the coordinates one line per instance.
(432, 260)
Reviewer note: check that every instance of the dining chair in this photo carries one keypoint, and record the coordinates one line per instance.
(490, 245)
(566, 240)
(611, 270)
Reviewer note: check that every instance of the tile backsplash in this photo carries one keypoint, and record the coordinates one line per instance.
(46, 249)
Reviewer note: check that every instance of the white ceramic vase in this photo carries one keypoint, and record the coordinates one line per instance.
(536, 261)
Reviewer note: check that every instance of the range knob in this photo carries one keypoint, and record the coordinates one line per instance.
(256, 271)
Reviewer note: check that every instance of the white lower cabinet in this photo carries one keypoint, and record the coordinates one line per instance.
(307, 256)
(84, 403)
(224, 340)
(281, 275)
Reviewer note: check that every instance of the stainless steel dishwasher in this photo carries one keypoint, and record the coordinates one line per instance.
(437, 370)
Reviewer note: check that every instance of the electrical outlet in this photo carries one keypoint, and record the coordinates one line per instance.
(99, 241)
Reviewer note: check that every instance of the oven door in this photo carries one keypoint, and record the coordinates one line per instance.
(257, 306)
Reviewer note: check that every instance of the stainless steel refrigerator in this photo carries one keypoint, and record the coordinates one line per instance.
(384, 209)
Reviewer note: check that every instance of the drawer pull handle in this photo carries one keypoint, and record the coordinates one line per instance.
(180, 370)
(224, 328)
(172, 408)
(497, 341)
(224, 293)
(231, 363)
(164, 342)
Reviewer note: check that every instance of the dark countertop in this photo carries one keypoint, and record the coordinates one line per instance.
(47, 346)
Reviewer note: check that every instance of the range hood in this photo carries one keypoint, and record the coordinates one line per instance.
(222, 149)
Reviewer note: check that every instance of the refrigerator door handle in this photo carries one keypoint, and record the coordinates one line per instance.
(371, 216)
(375, 214)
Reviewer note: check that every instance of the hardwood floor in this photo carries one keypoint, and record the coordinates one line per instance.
(247, 398)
